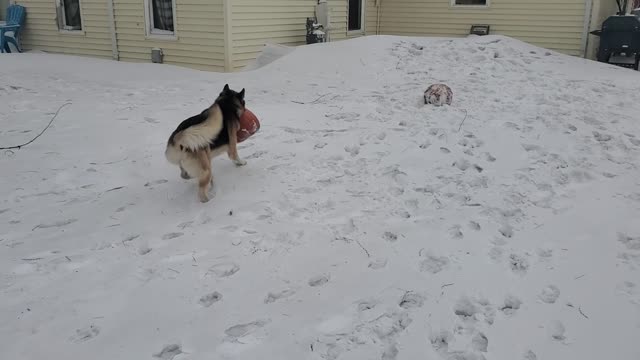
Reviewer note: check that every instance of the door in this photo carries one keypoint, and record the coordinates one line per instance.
(355, 21)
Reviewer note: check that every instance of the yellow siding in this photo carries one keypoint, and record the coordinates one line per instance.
(338, 12)
(258, 22)
(370, 18)
(553, 24)
(199, 31)
(41, 30)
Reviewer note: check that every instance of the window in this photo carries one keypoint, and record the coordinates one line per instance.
(470, 2)
(69, 15)
(356, 15)
(161, 17)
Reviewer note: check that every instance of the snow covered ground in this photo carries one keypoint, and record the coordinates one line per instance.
(366, 225)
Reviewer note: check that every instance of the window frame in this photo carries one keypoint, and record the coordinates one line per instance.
(453, 4)
(61, 19)
(157, 34)
(363, 11)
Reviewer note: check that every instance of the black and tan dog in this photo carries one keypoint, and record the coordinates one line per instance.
(200, 138)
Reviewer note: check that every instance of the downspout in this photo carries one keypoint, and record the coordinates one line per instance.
(228, 38)
(112, 30)
(588, 7)
(378, 10)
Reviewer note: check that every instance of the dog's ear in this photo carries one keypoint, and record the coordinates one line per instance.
(226, 87)
(241, 94)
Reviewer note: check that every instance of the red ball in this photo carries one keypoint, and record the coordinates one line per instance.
(249, 125)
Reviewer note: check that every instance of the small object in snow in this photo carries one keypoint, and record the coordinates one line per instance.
(230, 212)
(438, 95)
(249, 125)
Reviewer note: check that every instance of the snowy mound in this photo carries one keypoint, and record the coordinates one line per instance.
(269, 54)
(366, 224)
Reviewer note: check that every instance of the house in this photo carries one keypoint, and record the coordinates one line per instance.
(215, 35)
(226, 35)
(561, 25)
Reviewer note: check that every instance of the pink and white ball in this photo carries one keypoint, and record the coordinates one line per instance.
(438, 95)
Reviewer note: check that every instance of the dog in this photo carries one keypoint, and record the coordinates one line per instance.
(200, 138)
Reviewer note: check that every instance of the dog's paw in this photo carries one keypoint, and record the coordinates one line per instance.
(203, 197)
(184, 174)
(240, 162)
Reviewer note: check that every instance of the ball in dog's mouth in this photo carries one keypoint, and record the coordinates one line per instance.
(249, 125)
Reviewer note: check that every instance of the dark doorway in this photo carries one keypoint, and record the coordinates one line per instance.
(355, 15)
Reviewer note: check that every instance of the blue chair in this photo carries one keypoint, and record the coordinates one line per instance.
(16, 15)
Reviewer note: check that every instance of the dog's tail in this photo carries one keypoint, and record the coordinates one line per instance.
(189, 138)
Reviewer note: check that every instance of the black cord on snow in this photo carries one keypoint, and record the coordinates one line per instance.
(37, 136)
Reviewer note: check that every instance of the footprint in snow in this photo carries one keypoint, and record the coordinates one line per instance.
(240, 330)
(467, 308)
(489, 157)
(378, 263)
(549, 294)
(411, 300)
(353, 150)
(506, 231)
(210, 299)
(518, 264)
(474, 225)
(172, 235)
(511, 304)
(144, 250)
(318, 280)
(157, 182)
(440, 341)
(479, 342)
(389, 236)
(601, 137)
(557, 330)
(456, 232)
(434, 264)
(223, 269)
(169, 352)
(85, 334)
(274, 296)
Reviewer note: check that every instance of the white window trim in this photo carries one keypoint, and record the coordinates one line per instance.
(363, 11)
(453, 4)
(58, 4)
(156, 34)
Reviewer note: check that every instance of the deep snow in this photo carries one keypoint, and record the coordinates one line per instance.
(365, 225)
